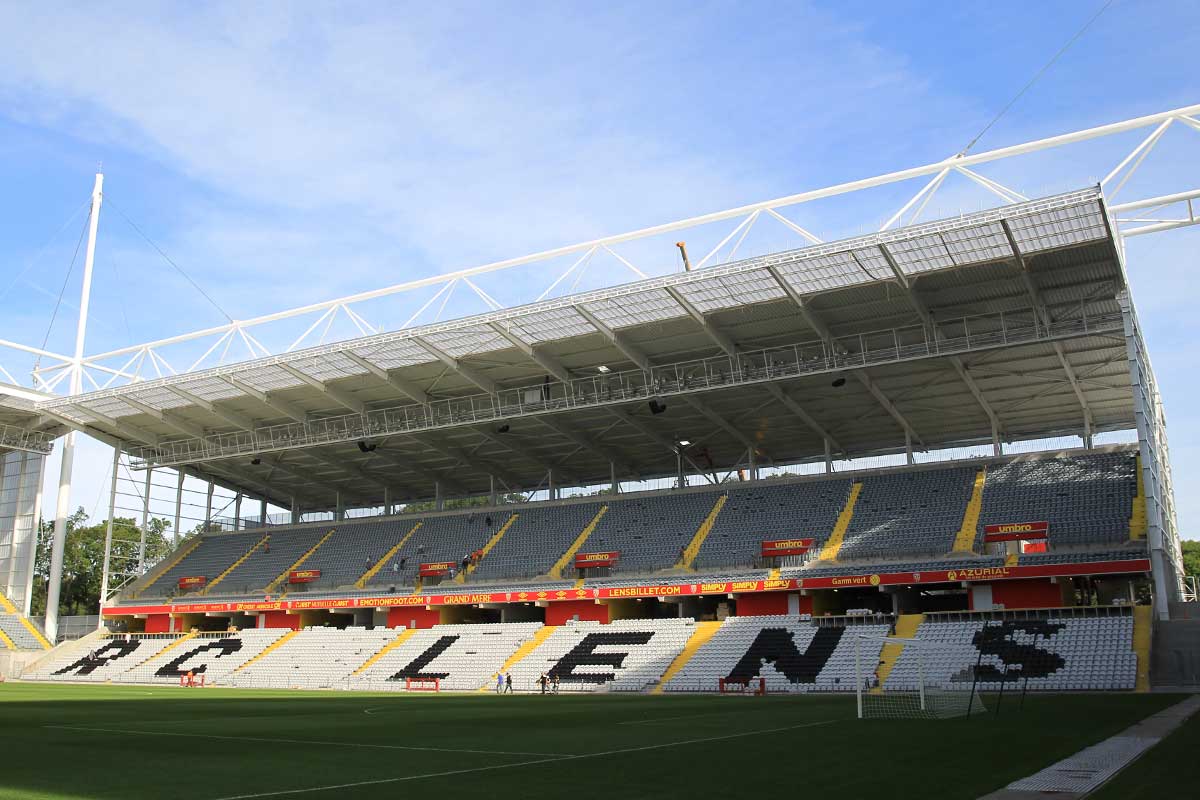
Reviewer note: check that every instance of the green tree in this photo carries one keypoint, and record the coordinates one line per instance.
(83, 559)
(1191, 558)
(452, 503)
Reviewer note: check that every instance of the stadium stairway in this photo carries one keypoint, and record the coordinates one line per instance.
(257, 545)
(1138, 522)
(906, 628)
(8, 608)
(361, 583)
(834, 545)
(487, 548)
(704, 631)
(1143, 633)
(964, 542)
(693, 547)
(164, 567)
(527, 647)
(283, 576)
(275, 645)
(387, 648)
(555, 572)
(186, 637)
(7, 642)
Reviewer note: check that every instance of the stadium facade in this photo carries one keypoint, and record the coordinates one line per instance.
(761, 387)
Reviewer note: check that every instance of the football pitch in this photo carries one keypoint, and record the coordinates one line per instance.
(67, 742)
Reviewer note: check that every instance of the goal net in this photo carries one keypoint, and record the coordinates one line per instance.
(915, 679)
(422, 684)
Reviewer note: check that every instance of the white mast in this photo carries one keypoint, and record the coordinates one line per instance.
(63, 509)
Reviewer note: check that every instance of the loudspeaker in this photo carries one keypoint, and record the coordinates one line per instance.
(367, 448)
(838, 383)
(656, 407)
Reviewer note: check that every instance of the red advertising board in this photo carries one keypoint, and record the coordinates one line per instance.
(975, 574)
(434, 568)
(588, 560)
(192, 581)
(1015, 531)
(303, 575)
(786, 547)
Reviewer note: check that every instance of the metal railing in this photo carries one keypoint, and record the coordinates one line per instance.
(892, 345)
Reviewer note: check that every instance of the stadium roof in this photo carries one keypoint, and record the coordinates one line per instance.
(1005, 322)
(22, 426)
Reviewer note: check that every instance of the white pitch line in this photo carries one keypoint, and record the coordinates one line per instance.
(303, 741)
(448, 773)
(690, 716)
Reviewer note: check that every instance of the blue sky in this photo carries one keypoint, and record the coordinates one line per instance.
(283, 155)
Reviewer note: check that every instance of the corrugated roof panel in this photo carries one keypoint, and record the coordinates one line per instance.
(822, 273)
(112, 407)
(268, 377)
(394, 354)
(920, 254)
(1058, 227)
(636, 309)
(975, 245)
(467, 341)
(328, 366)
(211, 388)
(730, 291)
(160, 398)
(551, 324)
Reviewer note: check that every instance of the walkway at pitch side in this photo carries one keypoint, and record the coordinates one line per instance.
(1090, 768)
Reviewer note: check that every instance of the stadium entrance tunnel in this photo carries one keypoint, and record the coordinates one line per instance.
(643, 608)
(468, 614)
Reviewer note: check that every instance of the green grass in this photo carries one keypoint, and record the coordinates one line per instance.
(483, 746)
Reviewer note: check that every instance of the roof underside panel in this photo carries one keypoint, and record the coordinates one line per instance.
(962, 271)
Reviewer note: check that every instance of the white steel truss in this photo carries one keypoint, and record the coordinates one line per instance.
(152, 359)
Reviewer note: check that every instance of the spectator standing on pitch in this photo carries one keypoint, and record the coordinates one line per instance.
(499, 683)
(508, 683)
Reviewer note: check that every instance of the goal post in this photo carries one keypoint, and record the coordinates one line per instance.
(422, 684)
(915, 679)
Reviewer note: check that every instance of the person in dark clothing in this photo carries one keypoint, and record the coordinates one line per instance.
(403, 562)
(508, 683)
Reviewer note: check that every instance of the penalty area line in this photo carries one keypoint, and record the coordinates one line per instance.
(271, 740)
(492, 767)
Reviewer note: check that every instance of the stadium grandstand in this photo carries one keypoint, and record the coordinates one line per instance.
(750, 474)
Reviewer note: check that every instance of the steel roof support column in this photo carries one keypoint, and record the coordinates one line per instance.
(438, 501)
(108, 535)
(237, 511)
(262, 512)
(178, 508)
(908, 451)
(828, 457)
(753, 464)
(679, 467)
(492, 490)
(63, 509)
(339, 511)
(387, 501)
(553, 492)
(145, 522)
(612, 478)
(295, 511)
(208, 505)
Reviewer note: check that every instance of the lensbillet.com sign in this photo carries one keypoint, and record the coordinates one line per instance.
(1016, 531)
(786, 547)
(605, 559)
